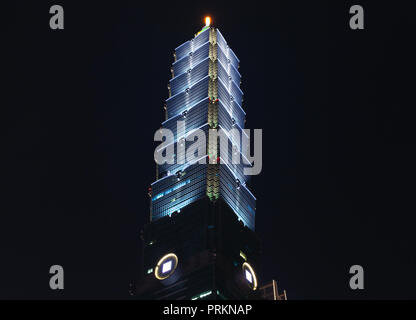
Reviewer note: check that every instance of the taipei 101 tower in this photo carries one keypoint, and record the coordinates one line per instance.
(200, 241)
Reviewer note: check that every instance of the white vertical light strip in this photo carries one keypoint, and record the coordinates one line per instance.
(274, 289)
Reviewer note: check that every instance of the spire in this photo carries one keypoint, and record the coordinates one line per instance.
(207, 25)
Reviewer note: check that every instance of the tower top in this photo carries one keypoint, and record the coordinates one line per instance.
(207, 25)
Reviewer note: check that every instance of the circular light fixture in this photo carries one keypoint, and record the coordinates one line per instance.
(250, 275)
(166, 266)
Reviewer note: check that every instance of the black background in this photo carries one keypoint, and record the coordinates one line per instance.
(80, 107)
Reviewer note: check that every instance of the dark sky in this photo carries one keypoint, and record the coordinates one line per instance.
(80, 107)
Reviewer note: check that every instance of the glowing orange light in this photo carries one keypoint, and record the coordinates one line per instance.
(207, 21)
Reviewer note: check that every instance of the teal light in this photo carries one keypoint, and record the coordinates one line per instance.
(175, 187)
(202, 295)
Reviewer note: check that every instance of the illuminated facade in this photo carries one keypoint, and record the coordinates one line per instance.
(204, 93)
(200, 242)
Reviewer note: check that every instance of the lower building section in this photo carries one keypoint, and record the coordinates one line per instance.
(202, 252)
(175, 192)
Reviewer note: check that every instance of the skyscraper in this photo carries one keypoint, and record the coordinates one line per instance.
(200, 242)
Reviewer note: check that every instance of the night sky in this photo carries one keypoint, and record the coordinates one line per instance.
(80, 107)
